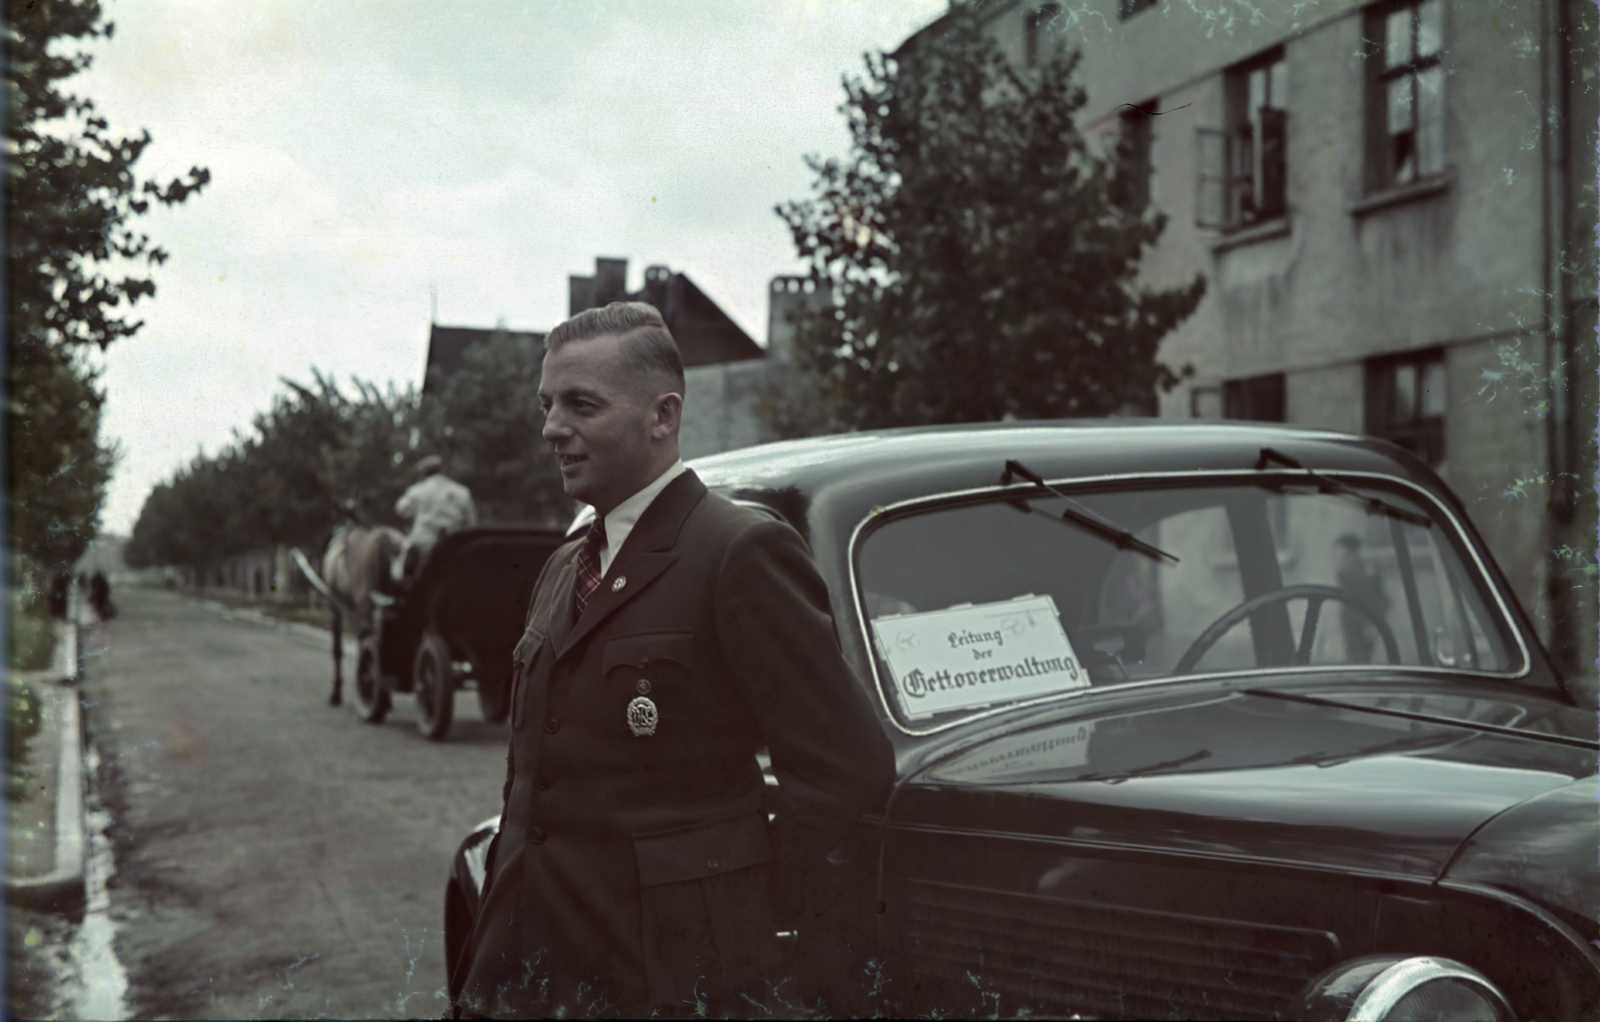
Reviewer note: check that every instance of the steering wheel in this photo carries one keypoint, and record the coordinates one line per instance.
(1315, 596)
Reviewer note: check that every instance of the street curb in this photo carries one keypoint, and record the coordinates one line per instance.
(62, 889)
(66, 667)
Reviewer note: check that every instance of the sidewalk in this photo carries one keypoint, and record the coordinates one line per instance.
(45, 845)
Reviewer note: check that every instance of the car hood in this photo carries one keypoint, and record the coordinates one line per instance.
(1542, 850)
(1362, 781)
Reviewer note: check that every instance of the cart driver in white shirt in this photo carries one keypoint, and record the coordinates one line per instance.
(436, 504)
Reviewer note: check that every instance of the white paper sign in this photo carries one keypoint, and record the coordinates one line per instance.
(979, 654)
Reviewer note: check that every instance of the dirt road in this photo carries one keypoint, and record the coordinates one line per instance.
(275, 857)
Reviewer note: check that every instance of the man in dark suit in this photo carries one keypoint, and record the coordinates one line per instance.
(679, 635)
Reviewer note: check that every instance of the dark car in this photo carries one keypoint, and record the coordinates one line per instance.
(1192, 721)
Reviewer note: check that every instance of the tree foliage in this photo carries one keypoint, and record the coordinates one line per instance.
(321, 455)
(71, 201)
(484, 419)
(57, 469)
(983, 256)
(317, 456)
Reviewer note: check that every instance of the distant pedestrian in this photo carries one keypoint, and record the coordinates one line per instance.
(100, 597)
(1365, 586)
(60, 588)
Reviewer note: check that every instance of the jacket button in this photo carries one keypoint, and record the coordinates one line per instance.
(536, 836)
(542, 782)
(644, 686)
(551, 725)
(713, 864)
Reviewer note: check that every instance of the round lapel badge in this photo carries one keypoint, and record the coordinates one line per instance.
(642, 717)
(621, 581)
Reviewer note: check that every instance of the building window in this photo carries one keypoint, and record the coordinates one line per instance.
(1128, 8)
(1244, 167)
(1406, 399)
(1036, 27)
(1137, 150)
(1205, 403)
(1256, 399)
(1405, 93)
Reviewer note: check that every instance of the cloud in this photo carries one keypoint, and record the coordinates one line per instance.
(366, 152)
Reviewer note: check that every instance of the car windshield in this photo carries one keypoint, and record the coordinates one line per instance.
(984, 603)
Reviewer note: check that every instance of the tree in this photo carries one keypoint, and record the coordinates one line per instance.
(320, 453)
(982, 256)
(71, 197)
(316, 456)
(57, 469)
(484, 419)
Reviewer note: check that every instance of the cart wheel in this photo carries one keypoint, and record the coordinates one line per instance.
(434, 681)
(372, 699)
(494, 697)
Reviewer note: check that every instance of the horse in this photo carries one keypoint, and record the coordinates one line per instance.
(355, 565)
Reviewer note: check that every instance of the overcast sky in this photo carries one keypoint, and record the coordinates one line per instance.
(362, 153)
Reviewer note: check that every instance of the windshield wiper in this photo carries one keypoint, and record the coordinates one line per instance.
(1076, 512)
(1118, 776)
(1374, 505)
(1402, 743)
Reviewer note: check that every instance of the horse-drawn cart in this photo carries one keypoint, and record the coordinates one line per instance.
(453, 628)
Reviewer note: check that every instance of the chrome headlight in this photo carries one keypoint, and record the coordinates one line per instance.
(1393, 988)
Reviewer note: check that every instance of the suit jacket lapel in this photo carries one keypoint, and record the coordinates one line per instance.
(646, 554)
(560, 620)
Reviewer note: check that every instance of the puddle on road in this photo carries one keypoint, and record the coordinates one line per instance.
(100, 988)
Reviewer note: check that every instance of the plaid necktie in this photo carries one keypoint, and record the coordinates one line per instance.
(588, 579)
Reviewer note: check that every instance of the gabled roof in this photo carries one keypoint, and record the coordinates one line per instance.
(705, 334)
(447, 347)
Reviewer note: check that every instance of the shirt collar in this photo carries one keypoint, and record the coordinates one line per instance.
(622, 518)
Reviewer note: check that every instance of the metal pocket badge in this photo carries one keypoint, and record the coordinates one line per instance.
(642, 717)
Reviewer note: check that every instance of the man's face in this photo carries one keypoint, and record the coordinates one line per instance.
(599, 421)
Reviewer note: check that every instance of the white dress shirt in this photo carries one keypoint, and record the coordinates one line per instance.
(622, 518)
(434, 505)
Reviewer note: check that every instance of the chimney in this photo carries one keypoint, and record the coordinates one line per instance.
(788, 295)
(580, 294)
(655, 286)
(610, 281)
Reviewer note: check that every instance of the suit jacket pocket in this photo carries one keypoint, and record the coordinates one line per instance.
(701, 852)
(706, 922)
(639, 650)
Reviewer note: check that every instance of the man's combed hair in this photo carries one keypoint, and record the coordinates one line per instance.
(648, 348)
